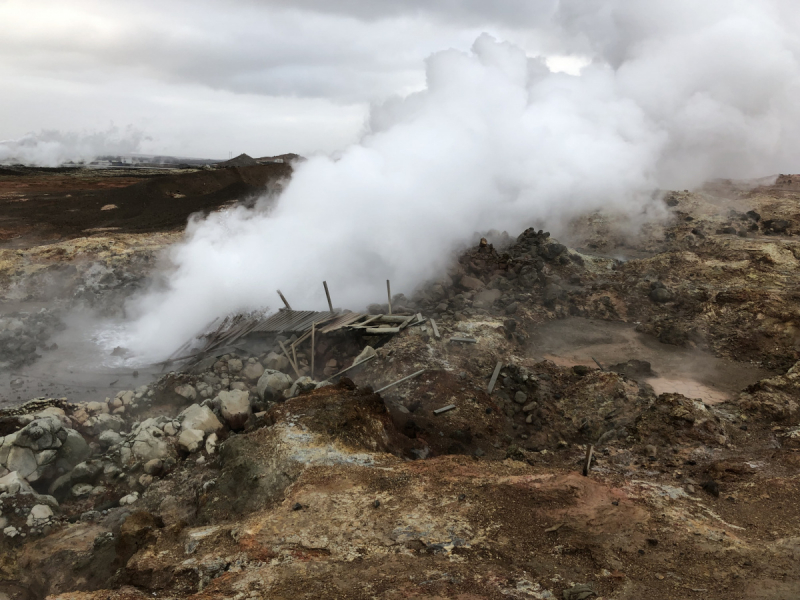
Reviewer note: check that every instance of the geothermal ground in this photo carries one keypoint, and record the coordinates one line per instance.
(670, 358)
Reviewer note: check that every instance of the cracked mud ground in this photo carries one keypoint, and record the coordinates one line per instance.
(674, 354)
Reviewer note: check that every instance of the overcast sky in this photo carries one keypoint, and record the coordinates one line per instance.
(203, 78)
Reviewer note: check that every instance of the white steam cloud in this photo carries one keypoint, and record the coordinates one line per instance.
(52, 148)
(676, 93)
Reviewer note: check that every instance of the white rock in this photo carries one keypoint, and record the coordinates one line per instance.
(187, 391)
(129, 499)
(13, 483)
(190, 440)
(272, 384)
(149, 443)
(97, 407)
(366, 353)
(39, 515)
(10, 531)
(21, 460)
(235, 408)
(199, 417)
(252, 371)
(211, 443)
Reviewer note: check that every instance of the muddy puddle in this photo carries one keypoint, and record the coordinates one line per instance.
(81, 369)
(695, 374)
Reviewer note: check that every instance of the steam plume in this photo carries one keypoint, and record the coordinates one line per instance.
(51, 148)
(675, 95)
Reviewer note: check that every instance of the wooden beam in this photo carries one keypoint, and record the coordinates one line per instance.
(284, 300)
(381, 330)
(289, 358)
(353, 366)
(464, 340)
(436, 333)
(389, 293)
(444, 409)
(328, 295)
(493, 381)
(406, 378)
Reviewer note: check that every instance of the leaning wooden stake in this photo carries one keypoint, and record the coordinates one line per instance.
(284, 300)
(493, 380)
(588, 464)
(389, 293)
(386, 387)
(328, 295)
(289, 358)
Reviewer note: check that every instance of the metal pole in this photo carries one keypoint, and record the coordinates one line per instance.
(328, 295)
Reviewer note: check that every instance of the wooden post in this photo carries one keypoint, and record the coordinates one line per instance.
(587, 466)
(284, 300)
(328, 295)
(435, 329)
(313, 327)
(389, 293)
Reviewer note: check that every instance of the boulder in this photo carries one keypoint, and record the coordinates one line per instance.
(366, 353)
(21, 460)
(74, 450)
(190, 440)
(272, 384)
(39, 515)
(154, 467)
(41, 434)
(252, 371)
(13, 483)
(148, 443)
(109, 439)
(486, 298)
(661, 295)
(471, 283)
(199, 417)
(276, 362)
(187, 391)
(235, 408)
(303, 384)
(234, 365)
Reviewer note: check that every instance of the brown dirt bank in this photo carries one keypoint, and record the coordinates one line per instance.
(57, 203)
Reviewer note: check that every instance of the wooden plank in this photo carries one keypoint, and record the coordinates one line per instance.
(289, 358)
(284, 300)
(313, 327)
(464, 340)
(405, 323)
(496, 373)
(406, 378)
(436, 333)
(393, 318)
(389, 293)
(444, 409)
(381, 330)
(328, 295)
(353, 366)
(598, 363)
